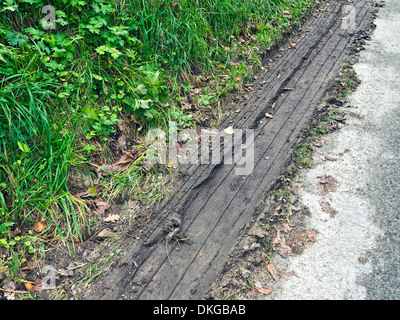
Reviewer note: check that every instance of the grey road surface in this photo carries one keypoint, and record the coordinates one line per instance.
(357, 253)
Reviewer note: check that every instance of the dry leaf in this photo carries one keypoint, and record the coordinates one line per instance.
(286, 14)
(124, 161)
(274, 105)
(272, 271)
(229, 130)
(101, 205)
(292, 45)
(285, 250)
(112, 218)
(174, 5)
(311, 234)
(28, 286)
(268, 115)
(286, 227)
(39, 227)
(105, 233)
(265, 291)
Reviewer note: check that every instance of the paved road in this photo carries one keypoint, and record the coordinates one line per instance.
(357, 253)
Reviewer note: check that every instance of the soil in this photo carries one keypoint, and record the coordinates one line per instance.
(215, 214)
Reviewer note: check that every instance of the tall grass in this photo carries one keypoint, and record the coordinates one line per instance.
(191, 34)
(63, 89)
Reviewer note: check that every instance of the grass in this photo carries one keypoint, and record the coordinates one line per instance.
(108, 72)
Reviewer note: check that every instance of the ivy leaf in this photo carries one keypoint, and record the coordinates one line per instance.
(16, 38)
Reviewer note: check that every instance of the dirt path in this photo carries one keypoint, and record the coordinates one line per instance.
(213, 204)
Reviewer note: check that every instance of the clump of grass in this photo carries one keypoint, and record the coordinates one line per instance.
(65, 91)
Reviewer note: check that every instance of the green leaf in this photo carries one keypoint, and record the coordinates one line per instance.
(16, 38)
(23, 147)
(143, 104)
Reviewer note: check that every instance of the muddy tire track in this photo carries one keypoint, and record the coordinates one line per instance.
(213, 203)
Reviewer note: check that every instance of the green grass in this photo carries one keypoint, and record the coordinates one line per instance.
(65, 92)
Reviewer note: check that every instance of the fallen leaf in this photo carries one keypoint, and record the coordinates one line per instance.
(92, 191)
(311, 234)
(292, 45)
(265, 291)
(28, 286)
(286, 14)
(112, 218)
(124, 161)
(174, 5)
(268, 115)
(274, 105)
(101, 205)
(30, 265)
(39, 227)
(286, 227)
(105, 233)
(272, 271)
(229, 130)
(285, 250)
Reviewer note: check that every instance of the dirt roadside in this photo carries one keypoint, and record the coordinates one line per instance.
(214, 206)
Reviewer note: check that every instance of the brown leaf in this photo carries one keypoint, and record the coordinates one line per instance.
(285, 250)
(272, 271)
(286, 227)
(174, 5)
(124, 162)
(112, 218)
(286, 14)
(268, 115)
(39, 227)
(105, 233)
(311, 234)
(265, 291)
(30, 265)
(101, 205)
(28, 286)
